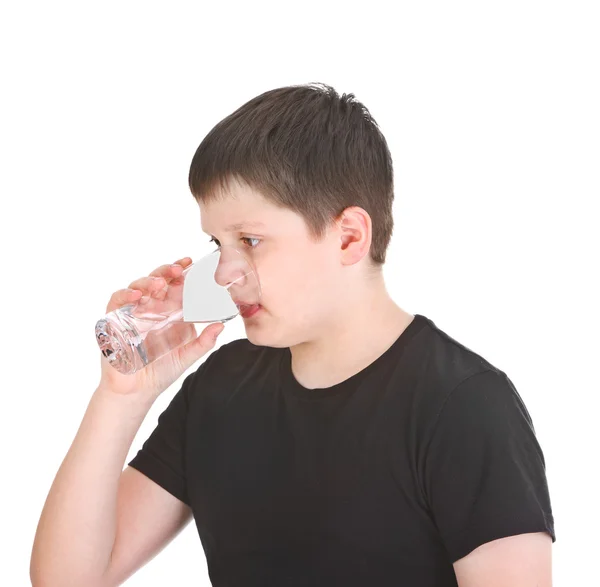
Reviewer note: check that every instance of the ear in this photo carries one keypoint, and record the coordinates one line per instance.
(355, 234)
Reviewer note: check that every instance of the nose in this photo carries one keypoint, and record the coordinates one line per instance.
(231, 269)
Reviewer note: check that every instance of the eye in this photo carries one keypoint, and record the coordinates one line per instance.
(246, 239)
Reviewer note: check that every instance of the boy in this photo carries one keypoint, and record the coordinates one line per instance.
(345, 441)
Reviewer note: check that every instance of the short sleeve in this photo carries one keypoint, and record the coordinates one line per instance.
(162, 456)
(484, 472)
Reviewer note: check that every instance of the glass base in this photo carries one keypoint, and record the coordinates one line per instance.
(120, 344)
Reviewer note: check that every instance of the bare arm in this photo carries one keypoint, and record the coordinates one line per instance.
(86, 534)
(148, 518)
(77, 527)
(523, 560)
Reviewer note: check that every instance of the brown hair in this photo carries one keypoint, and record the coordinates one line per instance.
(305, 148)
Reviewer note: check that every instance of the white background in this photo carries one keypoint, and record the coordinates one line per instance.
(490, 111)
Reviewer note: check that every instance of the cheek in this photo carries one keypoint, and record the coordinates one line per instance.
(300, 278)
(285, 279)
(305, 287)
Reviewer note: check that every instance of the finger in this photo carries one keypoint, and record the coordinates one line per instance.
(148, 284)
(122, 297)
(164, 276)
(190, 352)
(171, 273)
(155, 285)
(149, 287)
(166, 271)
(184, 263)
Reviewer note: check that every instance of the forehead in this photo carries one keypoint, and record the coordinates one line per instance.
(240, 207)
(244, 210)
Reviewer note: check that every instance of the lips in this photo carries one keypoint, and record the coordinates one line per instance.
(247, 310)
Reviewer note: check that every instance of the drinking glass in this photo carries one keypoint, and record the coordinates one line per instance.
(216, 288)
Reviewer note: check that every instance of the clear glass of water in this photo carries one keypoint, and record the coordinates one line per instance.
(216, 288)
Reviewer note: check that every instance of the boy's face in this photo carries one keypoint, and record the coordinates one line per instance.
(300, 279)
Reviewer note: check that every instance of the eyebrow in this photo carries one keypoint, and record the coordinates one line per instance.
(241, 225)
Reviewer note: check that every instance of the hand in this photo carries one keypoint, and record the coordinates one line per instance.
(156, 377)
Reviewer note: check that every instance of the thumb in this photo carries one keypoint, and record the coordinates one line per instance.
(198, 347)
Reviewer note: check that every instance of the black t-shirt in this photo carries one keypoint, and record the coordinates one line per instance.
(384, 479)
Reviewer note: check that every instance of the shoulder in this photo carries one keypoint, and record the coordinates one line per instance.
(455, 380)
(450, 358)
(465, 392)
(448, 363)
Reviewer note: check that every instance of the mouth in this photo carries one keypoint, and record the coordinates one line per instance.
(247, 310)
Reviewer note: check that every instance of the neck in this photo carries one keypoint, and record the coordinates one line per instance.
(346, 345)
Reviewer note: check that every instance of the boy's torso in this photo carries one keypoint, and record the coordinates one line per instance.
(284, 481)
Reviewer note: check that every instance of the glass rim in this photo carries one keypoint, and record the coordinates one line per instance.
(243, 256)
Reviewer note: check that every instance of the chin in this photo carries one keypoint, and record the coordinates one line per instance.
(277, 339)
(261, 338)
(261, 335)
